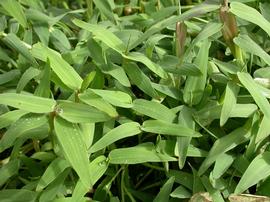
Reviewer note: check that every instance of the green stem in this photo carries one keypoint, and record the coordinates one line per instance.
(154, 167)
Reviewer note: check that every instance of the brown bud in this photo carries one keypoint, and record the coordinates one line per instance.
(127, 10)
(181, 32)
(230, 29)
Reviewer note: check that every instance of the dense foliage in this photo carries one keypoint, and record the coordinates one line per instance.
(134, 100)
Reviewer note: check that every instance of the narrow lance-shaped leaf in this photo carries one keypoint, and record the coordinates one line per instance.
(139, 57)
(9, 76)
(51, 191)
(102, 34)
(56, 167)
(21, 126)
(8, 170)
(28, 102)
(250, 14)
(9, 117)
(264, 129)
(15, 9)
(29, 74)
(254, 91)
(43, 89)
(201, 9)
(18, 195)
(116, 98)
(225, 144)
(194, 87)
(73, 147)
(116, 72)
(98, 102)
(97, 167)
(120, 132)
(164, 194)
(258, 170)
(247, 44)
(105, 8)
(139, 154)
(183, 143)
(209, 30)
(229, 102)
(81, 113)
(154, 110)
(63, 70)
(15, 43)
(222, 164)
(138, 78)
(161, 127)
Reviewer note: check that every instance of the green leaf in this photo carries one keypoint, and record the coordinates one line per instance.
(8, 170)
(209, 30)
(180, 192)
(164, 193)
(154, 110)
(87, 81)
(59, 40)
(63, 70)
(18, 195)
(28, 102)
(254, 91)
(9, 117)
(81, 113)
(194, 87)
(98, 167)
(173, 65)
(224, 144)
(213, 112)
(14, 9)
(160, 127)
(120, 132)
(247, 44)
(54, 188)
(229, 102)
(201, 9)
(139, 154)
(257, 170)
(222, 164)
(29, 74)
(9, 76)
(183, 178)
(140, 79)
(20, 127)
(264, 130)
(88, 131)
(73, 147)
(103, 34)
(96, 101)
(168, 90)
(43, 89)
(56, 167)
(250, 14)
(139, 57)
(21, 47)
(183, 143)
(105, 8)
(116, 72)
(116, 98)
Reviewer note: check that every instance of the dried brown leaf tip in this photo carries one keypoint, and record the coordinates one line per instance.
(201, 197)
(248, 198)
